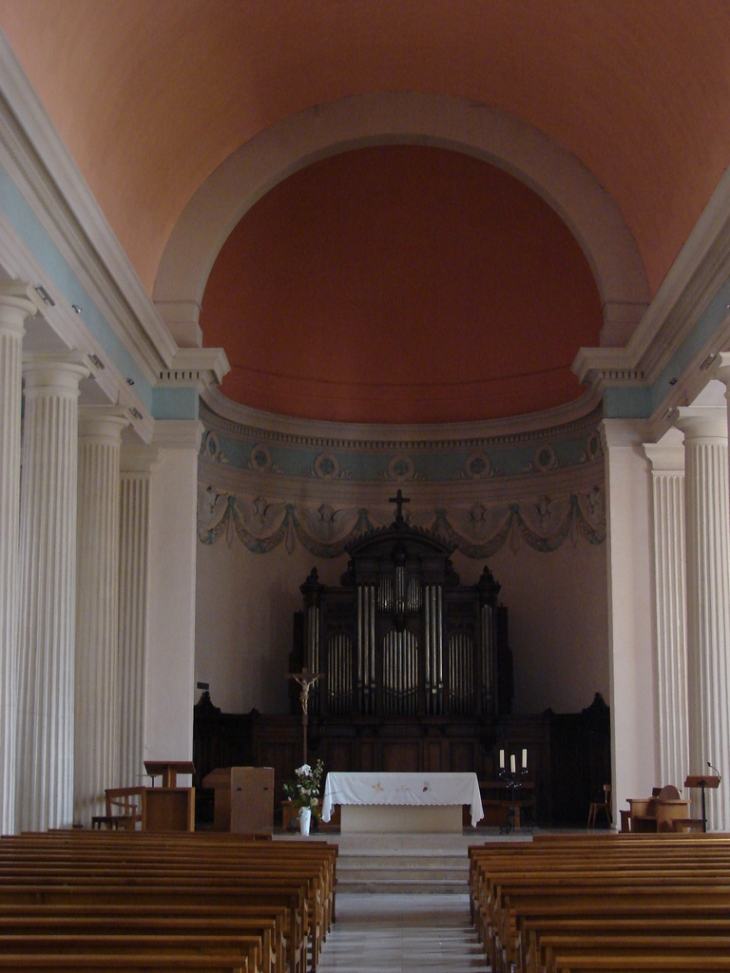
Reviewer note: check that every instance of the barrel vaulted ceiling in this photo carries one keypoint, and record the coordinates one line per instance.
(405, 278)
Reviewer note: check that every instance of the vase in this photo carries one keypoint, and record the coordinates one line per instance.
(305, 819)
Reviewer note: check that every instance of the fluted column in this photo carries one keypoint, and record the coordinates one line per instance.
(670, 606)
(708, 599)
(137, 463)
(16, 304)
(631, 625)
(96, 695)
(48, 590)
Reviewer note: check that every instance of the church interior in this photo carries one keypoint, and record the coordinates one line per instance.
(384, 341)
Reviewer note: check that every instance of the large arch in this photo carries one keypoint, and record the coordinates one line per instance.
(479, 130)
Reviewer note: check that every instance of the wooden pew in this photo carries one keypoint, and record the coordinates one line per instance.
(239, 951)
(512, 877)
(532, 928)
(131, 862)
(93, 922)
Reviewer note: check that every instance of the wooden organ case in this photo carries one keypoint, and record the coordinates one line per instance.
(414, 665)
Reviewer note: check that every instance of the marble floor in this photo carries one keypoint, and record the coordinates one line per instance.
(402, 934)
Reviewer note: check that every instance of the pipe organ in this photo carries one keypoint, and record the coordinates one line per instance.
(402, 637)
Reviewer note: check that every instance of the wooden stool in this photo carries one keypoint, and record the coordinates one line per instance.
(109, 822)
(597, 806)
(687, 825)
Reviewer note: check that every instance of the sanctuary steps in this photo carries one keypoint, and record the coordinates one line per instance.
(435, 864)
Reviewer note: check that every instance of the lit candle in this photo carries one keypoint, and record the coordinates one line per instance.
(512, 763)
(501, 759)
(524, 759)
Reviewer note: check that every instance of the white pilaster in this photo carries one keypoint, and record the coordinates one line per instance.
(708, 600)
(672, 733)
(96, 695)
(16, 304)
(170, 692)
(137, 463)
(48, 591)
(630, 609)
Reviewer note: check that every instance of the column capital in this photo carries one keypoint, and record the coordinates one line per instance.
(701, 423)
(665, 459)
(103, 424)
(623, 432)
(18, 301)
(138, 460)
(720, 369)
(178, 433)
(58, 373)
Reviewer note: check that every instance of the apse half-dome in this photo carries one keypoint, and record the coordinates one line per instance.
(401, 284)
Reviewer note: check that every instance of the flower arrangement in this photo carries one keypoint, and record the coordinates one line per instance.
(304, 790)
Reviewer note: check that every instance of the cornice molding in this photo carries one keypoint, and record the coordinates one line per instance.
(700, 270)
(243, 421)
(528, 486)
(196, 368)
(39, 164)
(70, 330)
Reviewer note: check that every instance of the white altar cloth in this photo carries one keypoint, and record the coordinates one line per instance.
(409, 789)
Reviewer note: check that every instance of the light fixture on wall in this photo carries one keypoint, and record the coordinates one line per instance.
(708, 361)
(97, 362)
(45, 296)
(77, 308)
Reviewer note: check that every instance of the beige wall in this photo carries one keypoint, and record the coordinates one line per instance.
(557, 612)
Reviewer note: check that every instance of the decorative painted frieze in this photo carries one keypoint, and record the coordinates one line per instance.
(370, 460)
(477, 531)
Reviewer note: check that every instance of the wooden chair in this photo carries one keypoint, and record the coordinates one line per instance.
(604, 806)
(129, 800)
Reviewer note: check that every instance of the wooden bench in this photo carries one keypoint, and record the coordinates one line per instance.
(122, 871)
(508, 878)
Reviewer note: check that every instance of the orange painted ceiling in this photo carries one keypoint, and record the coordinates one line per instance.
(401, 284)
(150, 96)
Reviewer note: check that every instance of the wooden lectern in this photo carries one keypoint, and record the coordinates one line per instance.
(244, 799)
(703, 781)
(168, 808)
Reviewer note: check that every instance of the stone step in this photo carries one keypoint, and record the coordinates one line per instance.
(394, 874)
(411, 872)
(403, 886)
(399, 861)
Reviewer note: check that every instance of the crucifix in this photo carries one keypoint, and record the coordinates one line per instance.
(399, 500)
(306, 680)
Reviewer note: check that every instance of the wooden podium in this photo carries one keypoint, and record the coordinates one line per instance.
(168, 808)
(244, 799)
(704, 781)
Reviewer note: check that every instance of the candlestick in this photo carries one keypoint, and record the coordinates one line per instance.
(524, 759)
(501, 759)
(512, 765)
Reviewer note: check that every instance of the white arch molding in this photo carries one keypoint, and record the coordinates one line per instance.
(513, 145)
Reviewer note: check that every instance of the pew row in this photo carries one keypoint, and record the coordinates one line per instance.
(514, 885)
(77, 876)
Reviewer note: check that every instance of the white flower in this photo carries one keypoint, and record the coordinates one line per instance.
(304, 771)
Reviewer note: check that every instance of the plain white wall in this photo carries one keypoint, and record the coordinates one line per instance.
(168, 730)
